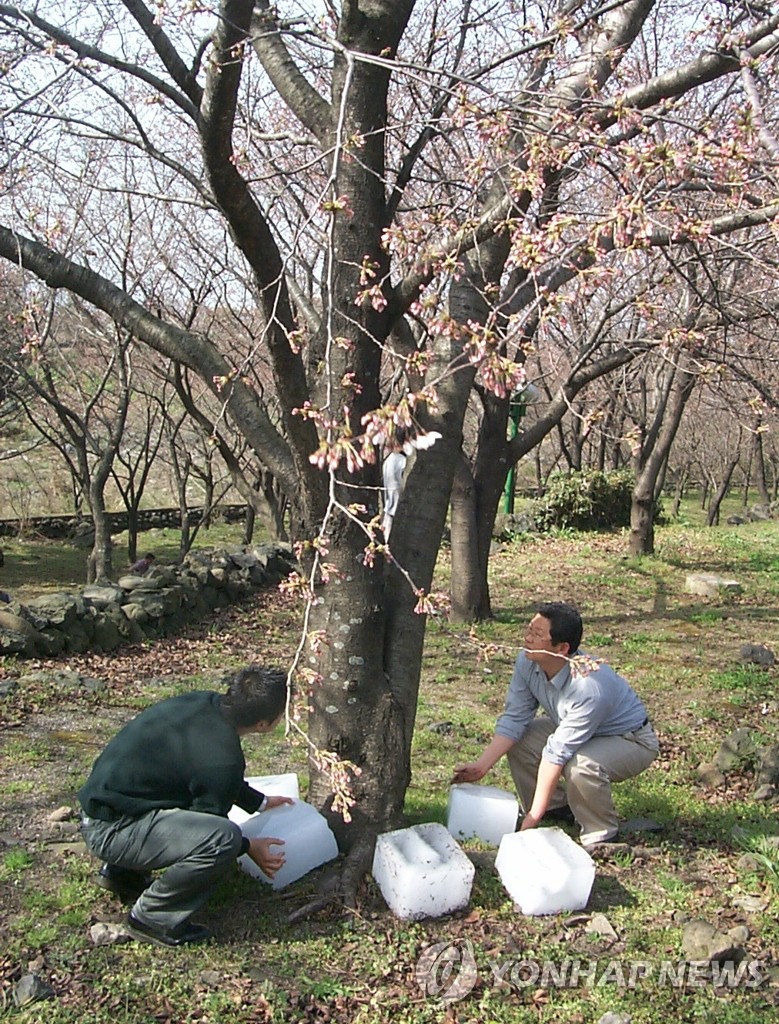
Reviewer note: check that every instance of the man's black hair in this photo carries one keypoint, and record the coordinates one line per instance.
(565, 624)
(254, 694)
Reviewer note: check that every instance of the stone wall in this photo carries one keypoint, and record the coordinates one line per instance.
(136, 608)
(64, 527)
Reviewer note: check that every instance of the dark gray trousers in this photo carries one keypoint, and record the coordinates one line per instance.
(197, 850)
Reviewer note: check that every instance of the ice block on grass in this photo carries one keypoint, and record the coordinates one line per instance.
(422, 872)
(270, 785)
(481, 812)
(545, 871)
(308, 840)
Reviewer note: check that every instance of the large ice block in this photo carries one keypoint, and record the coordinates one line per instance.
(422, 872)
(545, 871)
(270, 785)
(308, 840)
(481, 812)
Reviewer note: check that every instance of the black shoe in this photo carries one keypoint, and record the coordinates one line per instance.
(123, 882)
(562, 814)
(184, 935)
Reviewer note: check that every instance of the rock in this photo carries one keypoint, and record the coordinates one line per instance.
(759, 514)
(614, 1017)
(8, 686)
(55, 640)
(30, 989)
(10, 620)
(764, 792)
(735, 520)
(767, 778)
(211, 979)
(134, 612)
(599, 924)
(442, 728)
(706, 584)
(757, 654)
(60, 814)
(641, 825)
(735, 748)
(702, 941)
(750, 904)
(94, 685)
(12, 642)
(748, 862)
(63, 679)
(107, 636)
(77, 639)
(106, 934)
(710, 776)
(739, 934)
(62, 610)
(133, 583)
(103, 596)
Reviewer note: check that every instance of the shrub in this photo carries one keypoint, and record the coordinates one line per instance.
(589, 500)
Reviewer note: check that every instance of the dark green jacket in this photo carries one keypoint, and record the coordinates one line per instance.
(178, 753)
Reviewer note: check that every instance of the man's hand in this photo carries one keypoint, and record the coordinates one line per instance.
(264, 857)
(278, 801)
(529, 821)
(471, 772)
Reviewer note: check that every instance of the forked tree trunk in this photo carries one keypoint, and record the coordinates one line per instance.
(642, 527)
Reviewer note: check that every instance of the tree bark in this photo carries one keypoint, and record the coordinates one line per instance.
(642, 534)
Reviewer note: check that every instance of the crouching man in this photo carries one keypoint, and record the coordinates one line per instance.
(158, 798)
(595, 730)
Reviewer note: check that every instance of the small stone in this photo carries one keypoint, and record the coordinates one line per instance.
(30, 989)
(707, 584)
(641, 825)
(211, 979)
(750, 904)
(8, 686)
(599, 924)
(442, 728)
(613, 1017)
(106, 934)
(748, 862)
(735, 748)
(757, 654)
(710, 776)
(701, 941)
(765, 792)
(61, 814)
(739, 934)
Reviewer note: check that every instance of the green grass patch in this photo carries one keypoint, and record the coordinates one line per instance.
(682, 654)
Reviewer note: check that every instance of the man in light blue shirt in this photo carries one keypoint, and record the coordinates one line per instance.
(594, 730)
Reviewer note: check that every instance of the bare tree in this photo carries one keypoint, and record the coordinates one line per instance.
(386, 203)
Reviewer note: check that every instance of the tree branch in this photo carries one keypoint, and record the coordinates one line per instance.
(165, 50)
(186, 347)
(301, 97)
(84, 50)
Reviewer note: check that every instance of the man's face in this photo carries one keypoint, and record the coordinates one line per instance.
(538, 640)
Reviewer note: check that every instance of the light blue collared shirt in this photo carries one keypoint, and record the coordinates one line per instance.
(597, 703)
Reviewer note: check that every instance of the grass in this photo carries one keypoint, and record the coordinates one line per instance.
(680, 651)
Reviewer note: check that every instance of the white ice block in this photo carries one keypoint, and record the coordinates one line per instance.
(270, 785)
(545, 871)
(481, 812)
(308, 840)
(422, 872)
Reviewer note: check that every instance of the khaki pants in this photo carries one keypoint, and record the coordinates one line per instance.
(586, 782)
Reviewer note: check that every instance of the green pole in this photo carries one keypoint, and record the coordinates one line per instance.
(516, 412)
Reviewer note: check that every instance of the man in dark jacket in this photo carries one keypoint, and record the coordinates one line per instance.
(159, 794)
